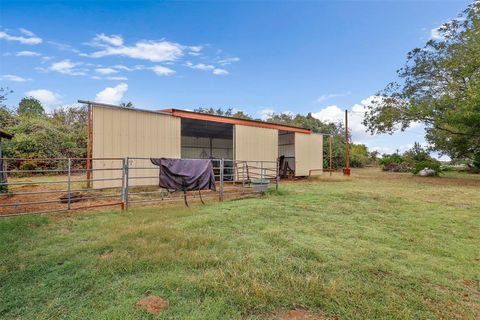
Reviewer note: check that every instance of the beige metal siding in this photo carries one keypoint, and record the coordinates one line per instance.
(120, 133)
(256, 144)
(308, 153)
(200, 147)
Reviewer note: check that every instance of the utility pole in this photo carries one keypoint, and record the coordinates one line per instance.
(346, 170)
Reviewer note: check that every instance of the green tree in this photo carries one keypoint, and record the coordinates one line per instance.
(439, 86)
(128, 104)
(7, 117)
(336, 130)
(30, 107)
(417, 153)
(358, 155)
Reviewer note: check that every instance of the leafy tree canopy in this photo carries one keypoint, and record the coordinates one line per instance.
(128, 104)
(30, 107)
(225, 113)
(439, 86)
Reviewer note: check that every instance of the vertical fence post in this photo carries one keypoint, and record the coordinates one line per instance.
(261, 170)
(123, 185)
(125, 192)
(221, 179)
(69, 188)
(243, 176)
(277, 174)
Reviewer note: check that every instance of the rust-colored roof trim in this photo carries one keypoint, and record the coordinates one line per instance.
(243, 122)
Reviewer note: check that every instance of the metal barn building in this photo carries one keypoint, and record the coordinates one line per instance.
(118, 132)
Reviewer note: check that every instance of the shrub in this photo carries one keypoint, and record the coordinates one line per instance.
(430, 164)
(397, 167)
(476, 160)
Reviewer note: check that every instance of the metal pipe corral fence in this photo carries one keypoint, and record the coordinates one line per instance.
(64, 184)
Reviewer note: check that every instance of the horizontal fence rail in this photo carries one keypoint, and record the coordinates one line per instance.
(42, 185)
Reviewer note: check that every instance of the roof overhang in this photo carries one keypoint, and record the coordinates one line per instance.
(230, 120)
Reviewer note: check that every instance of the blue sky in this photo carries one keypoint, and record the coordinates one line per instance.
(318, 56)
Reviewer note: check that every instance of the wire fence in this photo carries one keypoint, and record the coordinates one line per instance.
(120, 182)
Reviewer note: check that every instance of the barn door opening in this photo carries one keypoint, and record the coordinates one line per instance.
(286, 154)
(206, 140)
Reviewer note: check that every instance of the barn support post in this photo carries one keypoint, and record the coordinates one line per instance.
(221, 179)
(69, 181)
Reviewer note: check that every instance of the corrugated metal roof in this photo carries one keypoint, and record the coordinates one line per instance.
(244, 122)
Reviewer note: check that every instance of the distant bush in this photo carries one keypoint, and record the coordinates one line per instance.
(394, 163)
(394, 158)
(476, 161)
(430, 164)
(397, 167)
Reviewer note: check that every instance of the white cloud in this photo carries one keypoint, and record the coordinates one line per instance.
(356, 115)
(200, 66)
(227, 61)
(67, 67)
(112, 95)
(11, 77)
(112, 40)
(63, 46)
(26, 32)
(436, 34)
(46, 97)
(206, 67)
(329, 96)
(27, 54)
(126, 68)
(28, 38)
(265, 113)
(335, 114)
(162, 71)
(155, 51)
(330, 114)
(195, 50)
(219, 72)
(106, 71)
(117, 78)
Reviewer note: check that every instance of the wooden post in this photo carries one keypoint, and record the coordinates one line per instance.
(346, 170)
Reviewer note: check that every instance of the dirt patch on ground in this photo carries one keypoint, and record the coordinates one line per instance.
(151, 304)
(43, 197)
(106, 255)
(297, 314)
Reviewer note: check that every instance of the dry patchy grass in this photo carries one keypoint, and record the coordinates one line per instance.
(373, 246)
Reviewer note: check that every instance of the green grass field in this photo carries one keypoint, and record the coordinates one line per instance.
(375, 246)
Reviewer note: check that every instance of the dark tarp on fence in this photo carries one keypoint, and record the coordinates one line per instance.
(185, 174)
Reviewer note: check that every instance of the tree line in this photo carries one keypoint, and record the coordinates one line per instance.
(62, 133)
(360, 156)
(439, 86)
(39, 135)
